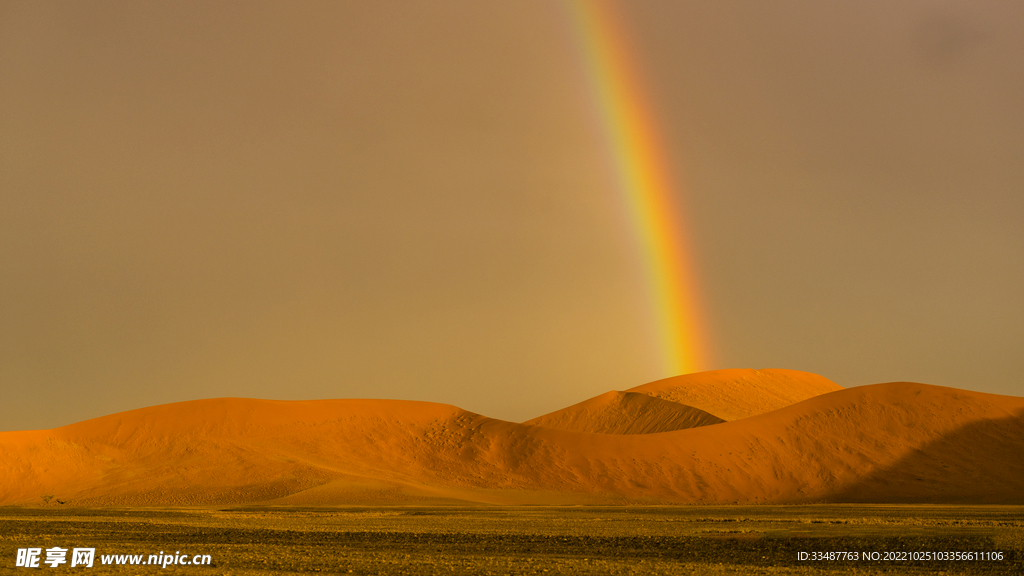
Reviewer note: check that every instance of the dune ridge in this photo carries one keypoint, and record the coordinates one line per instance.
(894, 442)
(739, 393)
(626, 413)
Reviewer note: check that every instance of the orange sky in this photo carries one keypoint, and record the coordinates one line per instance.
(411, 200)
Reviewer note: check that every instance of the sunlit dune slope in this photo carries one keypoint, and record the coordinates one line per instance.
(625, 413)
(885, 443)
(688, 401)
(739, 393)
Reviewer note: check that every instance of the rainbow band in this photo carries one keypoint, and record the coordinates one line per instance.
(629, 126)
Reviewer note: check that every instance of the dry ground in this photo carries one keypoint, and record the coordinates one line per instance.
(524, 540)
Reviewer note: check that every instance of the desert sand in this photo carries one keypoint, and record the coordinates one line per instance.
(626, 413)
(735, 394)
(894, 442)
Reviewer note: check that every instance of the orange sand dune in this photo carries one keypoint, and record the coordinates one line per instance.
(894, 442)
(735, 394)
(625, 413)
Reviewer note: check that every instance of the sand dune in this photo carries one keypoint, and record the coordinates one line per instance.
(625, 413)
(892, 442)
(735, 394)
(688, 401)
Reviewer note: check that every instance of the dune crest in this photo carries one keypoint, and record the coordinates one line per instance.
(625, 413)
(895, 442)
(739, 393)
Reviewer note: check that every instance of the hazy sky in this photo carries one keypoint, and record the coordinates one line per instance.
(300, 200)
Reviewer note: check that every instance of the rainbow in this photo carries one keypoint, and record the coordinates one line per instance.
(644, 177)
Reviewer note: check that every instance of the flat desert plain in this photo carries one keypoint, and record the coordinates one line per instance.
(258, 540)
(704, 471)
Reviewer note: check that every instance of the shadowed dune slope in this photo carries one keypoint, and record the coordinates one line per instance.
(625, 413)
(739, 393)
(887, 443)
